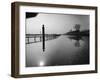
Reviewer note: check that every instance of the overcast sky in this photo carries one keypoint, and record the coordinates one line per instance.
(56, 23)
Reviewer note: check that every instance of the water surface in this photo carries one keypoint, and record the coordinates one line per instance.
(64, 50)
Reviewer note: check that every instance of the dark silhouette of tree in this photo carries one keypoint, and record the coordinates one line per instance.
(77, 27)
(71, 30)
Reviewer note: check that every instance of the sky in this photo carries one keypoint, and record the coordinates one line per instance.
(55, 23)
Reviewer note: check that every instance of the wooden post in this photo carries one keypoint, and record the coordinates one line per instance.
(43, 37)
(34, 38)
(40, 37)
(28, 39)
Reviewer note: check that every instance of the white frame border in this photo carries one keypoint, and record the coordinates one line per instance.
(54, 69)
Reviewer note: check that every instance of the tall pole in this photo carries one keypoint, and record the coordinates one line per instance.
(43, 37)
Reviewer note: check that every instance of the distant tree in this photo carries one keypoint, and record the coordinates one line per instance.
(77, 27)
(71, 30)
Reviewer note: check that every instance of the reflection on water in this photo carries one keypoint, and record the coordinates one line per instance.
(60, 50)
(77, 40)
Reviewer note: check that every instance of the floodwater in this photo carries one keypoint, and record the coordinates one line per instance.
(64, 50)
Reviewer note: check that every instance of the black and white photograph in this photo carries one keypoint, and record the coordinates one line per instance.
(53, 39)
(56, 39)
